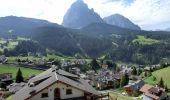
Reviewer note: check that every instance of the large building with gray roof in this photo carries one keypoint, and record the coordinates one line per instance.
(56, 85)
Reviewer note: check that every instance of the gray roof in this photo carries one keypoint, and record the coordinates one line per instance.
(52, 77)
(137, 85)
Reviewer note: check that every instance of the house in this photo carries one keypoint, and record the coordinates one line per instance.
(104, 79)
(14, 87)
(127, 70)
(55, 84)
(153, 93)
(133, 88)
(6, 78)
(3, 59)
(75, 70)
(104, 66)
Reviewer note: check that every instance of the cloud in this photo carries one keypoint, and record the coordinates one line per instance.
(149, 12)
(145, 13)
(124, 2)
(52, 10)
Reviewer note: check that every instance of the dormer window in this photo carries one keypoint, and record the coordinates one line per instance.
(31, 84)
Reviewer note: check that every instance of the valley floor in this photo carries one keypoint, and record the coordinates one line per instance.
(27, 72)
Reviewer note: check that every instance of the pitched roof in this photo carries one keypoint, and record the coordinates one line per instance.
(137, 85)
(150, 91)
(52, 77)
(64, 73)
(145, 88)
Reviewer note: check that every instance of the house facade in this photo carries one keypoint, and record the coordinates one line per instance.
(59, 91)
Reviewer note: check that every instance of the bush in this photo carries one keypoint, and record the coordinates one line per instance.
(153, 78)
(3, 85)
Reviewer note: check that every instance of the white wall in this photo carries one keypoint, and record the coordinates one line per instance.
(146, 97)
(63, 87)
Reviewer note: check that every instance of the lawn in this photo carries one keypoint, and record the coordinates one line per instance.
(13, 69)
(22, 39)
(13, 59)
(118, 96)
(164, 73)
(144, 41)
(9, 98)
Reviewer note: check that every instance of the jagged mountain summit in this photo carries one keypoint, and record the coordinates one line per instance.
(79, 15)
(121, 21)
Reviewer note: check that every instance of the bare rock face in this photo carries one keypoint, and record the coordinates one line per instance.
(121, 21)
(79, 15)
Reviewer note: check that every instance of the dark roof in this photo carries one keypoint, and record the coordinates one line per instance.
(137, 85)
(154, 90)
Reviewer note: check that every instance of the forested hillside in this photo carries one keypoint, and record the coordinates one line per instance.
(94, 40)
(71, 42)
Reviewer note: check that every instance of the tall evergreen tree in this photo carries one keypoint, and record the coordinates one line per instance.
(166, 88)
(134, 71)
(139, 71)
(124, 80)
(94, 64)
(19, 77)
(161, 83)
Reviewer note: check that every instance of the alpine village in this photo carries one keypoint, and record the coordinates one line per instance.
(85, 58)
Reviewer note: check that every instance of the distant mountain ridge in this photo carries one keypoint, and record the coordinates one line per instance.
(79, 15)
(168, 29)
(106, 29)
(121, 21)
(21, 25)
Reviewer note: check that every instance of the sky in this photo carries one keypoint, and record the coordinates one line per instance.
(148, 14)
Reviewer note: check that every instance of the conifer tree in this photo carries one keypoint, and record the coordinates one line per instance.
(94, 64)
(166, 88)
(19, 77)
(134, 71)
(124, 80)
(161, 83)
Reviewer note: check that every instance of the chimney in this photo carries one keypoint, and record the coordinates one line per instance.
(156, 86)
(159, 89)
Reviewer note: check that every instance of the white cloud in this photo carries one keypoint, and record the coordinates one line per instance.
(145, 13)
(52, 10)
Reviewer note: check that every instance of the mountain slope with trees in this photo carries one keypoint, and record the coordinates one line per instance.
(94, 40)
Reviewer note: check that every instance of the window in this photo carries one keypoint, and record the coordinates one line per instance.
(44, 95)
(68, 91)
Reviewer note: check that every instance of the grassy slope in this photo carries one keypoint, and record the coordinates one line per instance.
(13, 69)
(114, 95)
(164, 73)
(144, 41)
(12, 43)
(14, 58)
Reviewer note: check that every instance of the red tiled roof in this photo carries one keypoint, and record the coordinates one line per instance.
(145, 89)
